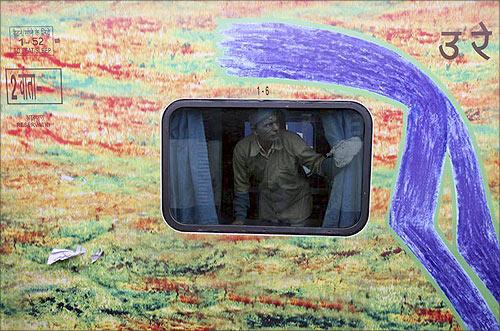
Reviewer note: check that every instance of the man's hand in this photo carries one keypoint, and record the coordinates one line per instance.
(345, 151)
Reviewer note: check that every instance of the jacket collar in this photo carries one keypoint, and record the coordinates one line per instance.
(256, 148)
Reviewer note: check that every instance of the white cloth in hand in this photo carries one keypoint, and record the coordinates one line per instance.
(345, 151)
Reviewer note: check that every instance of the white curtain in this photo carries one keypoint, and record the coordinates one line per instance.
(344, 205)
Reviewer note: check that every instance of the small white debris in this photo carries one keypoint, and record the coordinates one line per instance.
(58, 254)
(97, 255)
(67, 178)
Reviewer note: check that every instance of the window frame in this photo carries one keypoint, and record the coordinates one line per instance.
(253, 104)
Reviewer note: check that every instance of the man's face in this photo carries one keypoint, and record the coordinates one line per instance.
(267, 130)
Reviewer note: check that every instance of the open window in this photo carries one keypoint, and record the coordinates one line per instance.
(221, 174)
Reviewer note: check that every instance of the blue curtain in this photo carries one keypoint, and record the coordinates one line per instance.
(344, 205)
(191, 193)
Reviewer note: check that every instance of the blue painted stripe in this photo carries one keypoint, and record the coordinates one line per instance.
(276, 50)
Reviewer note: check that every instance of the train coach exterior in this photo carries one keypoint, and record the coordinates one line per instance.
(84, 89)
